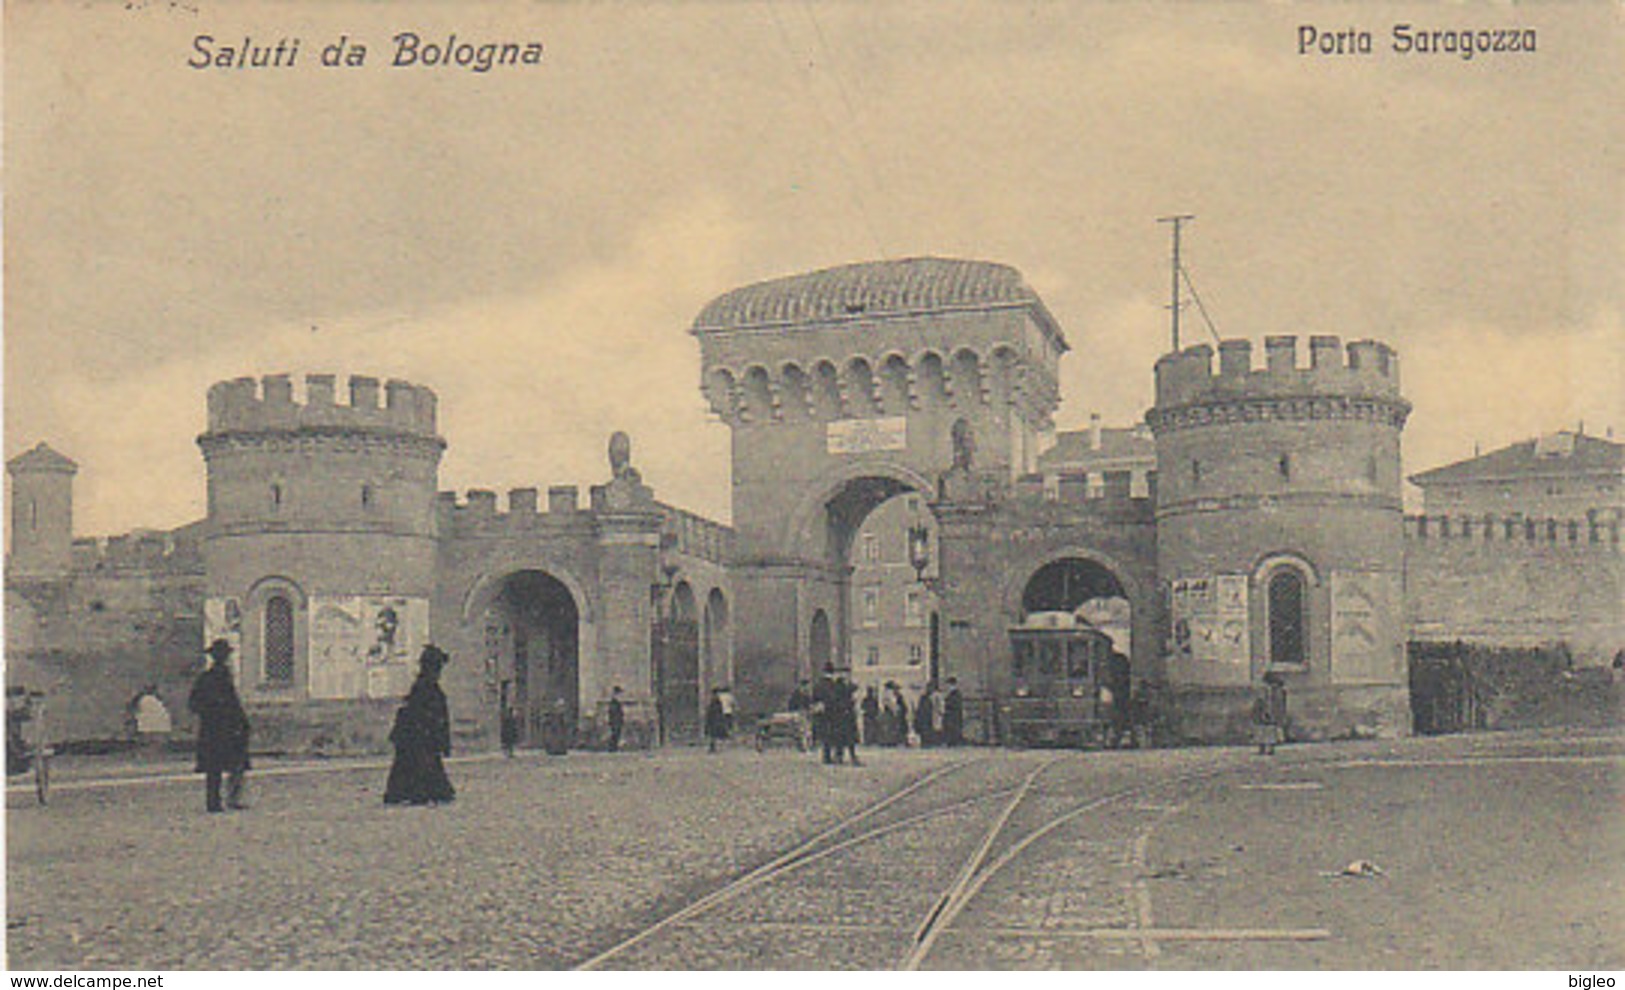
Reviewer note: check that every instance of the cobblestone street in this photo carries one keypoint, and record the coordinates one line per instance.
(1202, 858)
(538, 861)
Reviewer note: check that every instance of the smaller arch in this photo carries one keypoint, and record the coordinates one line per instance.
(795, 392)
(486, 585)
(716, 644)
(860, 390)
(722, 393)
(684, 607)
(1004, 372)
(274, 642)
(1284, 584)
(966, 376)
(759, 402)
(931, 380)
(826, 390)
(895, 385)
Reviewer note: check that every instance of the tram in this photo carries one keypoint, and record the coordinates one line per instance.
(1058, 664)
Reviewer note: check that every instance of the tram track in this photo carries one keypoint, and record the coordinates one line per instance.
(1025, 815)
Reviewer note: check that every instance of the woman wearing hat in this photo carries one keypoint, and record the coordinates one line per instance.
(222, 731)
(422, 736)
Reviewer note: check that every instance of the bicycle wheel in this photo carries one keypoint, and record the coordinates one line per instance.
(42, 776)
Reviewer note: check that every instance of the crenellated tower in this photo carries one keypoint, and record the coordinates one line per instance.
(320, 549)
(843, 388)
(1280, 533)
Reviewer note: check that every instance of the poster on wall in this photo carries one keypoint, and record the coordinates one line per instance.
(365, 646)
(1363, 604)
(1209, 619)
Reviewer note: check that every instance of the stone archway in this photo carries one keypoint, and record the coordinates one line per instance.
(677, 668)
(714, 640)
(532, 627)
(1082, 585)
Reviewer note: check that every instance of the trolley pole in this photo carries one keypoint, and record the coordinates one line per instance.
(1173, 302)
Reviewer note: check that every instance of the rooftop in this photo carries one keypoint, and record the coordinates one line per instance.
(1562, 454)
(1073, 449)
(41, 458)
(875, 288)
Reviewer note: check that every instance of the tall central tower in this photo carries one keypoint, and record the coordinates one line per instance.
(842, 388)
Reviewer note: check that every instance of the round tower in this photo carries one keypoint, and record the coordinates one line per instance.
(1279, 534)
(41, 514)
(320, 548)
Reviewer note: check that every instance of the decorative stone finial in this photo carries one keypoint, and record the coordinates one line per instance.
(620, 454)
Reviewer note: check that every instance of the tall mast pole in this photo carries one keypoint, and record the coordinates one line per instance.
(1173, 301)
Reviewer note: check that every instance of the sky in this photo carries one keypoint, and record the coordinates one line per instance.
(534, 242)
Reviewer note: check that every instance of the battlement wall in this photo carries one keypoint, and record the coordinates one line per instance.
(269, 404)
(480, 512)
(1514, 532)
(694, 535)
(1361, 369)
(1073, 489)
(477, 512)
(156, 553)
(1550, 581)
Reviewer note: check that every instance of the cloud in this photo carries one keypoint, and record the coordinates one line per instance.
(530, 386)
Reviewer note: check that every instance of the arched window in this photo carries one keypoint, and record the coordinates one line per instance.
(1288, 617)
(278, 640)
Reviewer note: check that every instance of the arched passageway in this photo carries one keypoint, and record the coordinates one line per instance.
(533, 628)
(677, 668)
(1085, 588)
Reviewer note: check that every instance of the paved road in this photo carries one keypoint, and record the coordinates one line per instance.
(1495, 851)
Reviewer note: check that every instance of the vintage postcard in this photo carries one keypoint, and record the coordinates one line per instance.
(801, 485)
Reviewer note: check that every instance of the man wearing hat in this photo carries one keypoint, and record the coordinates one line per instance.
(823, 712)
(222, 731)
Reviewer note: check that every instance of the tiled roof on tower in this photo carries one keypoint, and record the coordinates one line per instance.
(875, 288)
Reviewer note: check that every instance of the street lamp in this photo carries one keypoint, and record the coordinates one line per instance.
(919, 549)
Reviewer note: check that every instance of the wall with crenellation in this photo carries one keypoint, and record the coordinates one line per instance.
(1516, 582)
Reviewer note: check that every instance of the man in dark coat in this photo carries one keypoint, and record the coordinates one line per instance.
(823, 710)
(716, 721)
(871, 717)
(422, 736)
(616, 716)
(1119, 712)
(222, 731)
(843, 722)
(953, 715)
(925, 716)
(899, 706)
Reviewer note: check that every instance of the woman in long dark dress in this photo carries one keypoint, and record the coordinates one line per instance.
(422, 736)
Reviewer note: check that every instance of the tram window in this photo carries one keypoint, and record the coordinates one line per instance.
(1049, 659)
(1018, 659)
(1077, 660)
